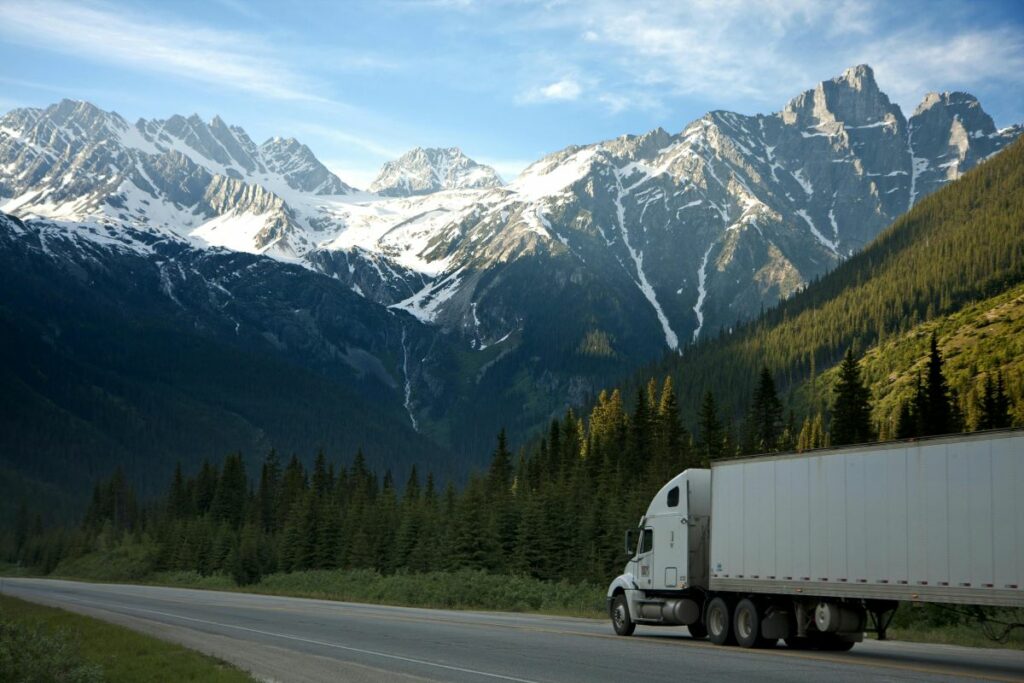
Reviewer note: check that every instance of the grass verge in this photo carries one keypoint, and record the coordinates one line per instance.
(463, 589)
(39, 643)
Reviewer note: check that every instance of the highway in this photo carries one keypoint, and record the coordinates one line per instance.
(301, 640)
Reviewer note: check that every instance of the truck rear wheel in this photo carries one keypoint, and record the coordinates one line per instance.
(747, 624)
(621, 621)
(718, 620)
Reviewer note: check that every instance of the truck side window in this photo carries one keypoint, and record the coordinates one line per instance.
(647, 543)
(673, 497)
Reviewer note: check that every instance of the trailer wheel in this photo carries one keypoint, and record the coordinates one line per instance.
(747, 624)
(621, 621)
(718, 620)
(698, 631)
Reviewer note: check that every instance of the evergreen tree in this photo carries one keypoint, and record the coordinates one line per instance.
(178, 506)
(246, 568)
(229, 499)
(851, 406)
(765, 426)
(710, 430)
(205, 487)
(269, 492)
(937, 416)
(499, 479)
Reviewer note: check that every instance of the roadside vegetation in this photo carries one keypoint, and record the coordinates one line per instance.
(41, 645)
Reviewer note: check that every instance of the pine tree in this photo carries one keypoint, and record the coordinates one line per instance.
(672, 447)
(938, 416)
(499, 478)
(178, 498)
(229, 500)
(851, 407)
(765, 414)
(710, 431)
(205, 487)
(246, 568)
(269, 492)
(323, 481)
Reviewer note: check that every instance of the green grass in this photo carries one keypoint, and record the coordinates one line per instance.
(40, 643)
(463, 589)
(967, 636)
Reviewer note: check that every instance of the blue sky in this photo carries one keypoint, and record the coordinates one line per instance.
(506, 80)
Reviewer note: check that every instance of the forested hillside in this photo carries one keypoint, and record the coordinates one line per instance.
(982, 344)
(960, 245)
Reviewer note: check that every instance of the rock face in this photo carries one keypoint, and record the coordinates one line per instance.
(422, 171)
(595, 259)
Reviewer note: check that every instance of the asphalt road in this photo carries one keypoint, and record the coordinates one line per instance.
(292, 639)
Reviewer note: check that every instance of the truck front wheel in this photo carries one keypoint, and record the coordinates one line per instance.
(718, 620)
(621, 621)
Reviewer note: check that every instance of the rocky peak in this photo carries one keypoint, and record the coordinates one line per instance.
(852, 98)
(426, 170)
(942, 109)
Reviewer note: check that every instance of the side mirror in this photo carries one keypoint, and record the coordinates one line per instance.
(630, 543)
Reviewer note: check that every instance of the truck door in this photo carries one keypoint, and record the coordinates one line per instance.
(645, 559)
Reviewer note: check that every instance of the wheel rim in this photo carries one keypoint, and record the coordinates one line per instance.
(744, 624)
(620, 616)
(716, 620)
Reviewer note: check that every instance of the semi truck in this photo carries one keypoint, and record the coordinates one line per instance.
(818, 548)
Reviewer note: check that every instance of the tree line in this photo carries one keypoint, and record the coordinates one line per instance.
(556, 509)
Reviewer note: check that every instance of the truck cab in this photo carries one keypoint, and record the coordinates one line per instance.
(667, 575)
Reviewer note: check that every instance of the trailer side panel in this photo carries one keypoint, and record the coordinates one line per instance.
(939, 520)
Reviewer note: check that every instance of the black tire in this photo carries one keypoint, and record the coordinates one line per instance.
(746, 624)
(698, 631)
(718, 621)
(621, 621)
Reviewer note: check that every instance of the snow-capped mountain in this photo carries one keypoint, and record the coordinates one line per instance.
(594, 259)
(423, 171)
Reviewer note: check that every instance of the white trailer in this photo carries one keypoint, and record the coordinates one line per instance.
(818, 547)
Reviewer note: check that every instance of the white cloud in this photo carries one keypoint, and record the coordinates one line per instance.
(910, 63)
(345, 139)
(564, 90)
(220, 58)
(753, 56)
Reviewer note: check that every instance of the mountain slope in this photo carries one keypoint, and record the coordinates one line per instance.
(962, 244)
(145, 352)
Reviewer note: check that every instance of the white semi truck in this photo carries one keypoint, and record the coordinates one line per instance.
(817, 548)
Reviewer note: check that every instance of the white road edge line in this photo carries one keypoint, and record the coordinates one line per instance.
(309, 640)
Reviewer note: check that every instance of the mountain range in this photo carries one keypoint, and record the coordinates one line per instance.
(454, 303)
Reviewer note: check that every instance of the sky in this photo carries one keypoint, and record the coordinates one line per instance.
(508, 81)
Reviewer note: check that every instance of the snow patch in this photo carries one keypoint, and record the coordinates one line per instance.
(638, 260)
(821, 238)
(702, 291)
